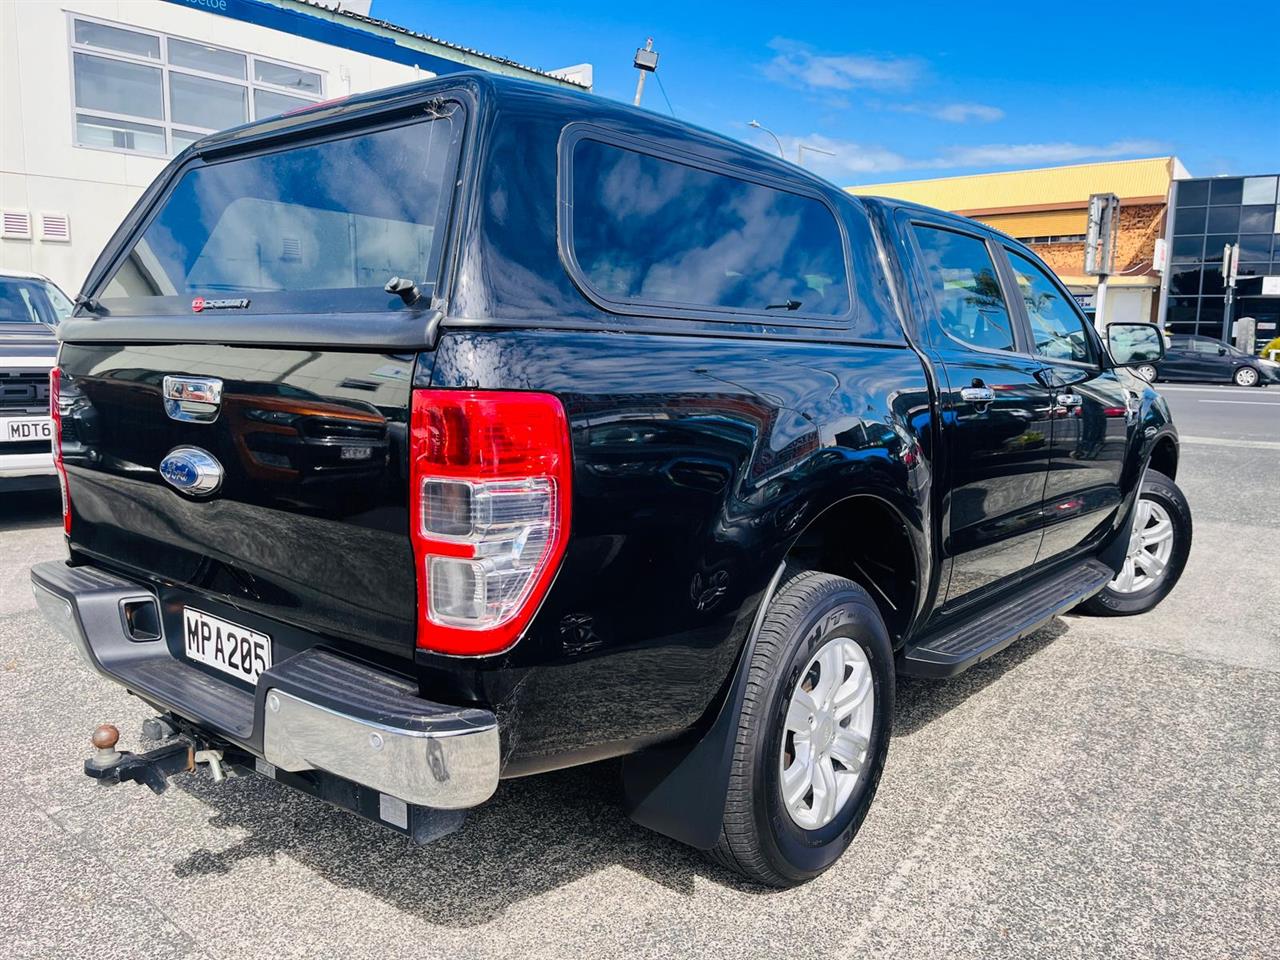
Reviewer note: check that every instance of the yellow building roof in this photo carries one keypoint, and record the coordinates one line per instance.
(1043, 189)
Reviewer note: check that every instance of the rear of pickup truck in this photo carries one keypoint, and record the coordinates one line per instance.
(237, 439)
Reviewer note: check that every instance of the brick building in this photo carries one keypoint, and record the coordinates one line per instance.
(1048, 210)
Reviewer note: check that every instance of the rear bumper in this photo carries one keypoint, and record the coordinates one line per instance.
(26, 464)
(313, 711)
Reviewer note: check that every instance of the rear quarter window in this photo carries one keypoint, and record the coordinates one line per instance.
(654, 232)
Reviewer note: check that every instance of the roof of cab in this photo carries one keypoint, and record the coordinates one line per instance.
(576, 105)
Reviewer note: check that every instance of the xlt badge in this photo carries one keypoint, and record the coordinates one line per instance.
(200, 303)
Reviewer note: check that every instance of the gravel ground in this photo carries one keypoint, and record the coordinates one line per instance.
(1106, 788)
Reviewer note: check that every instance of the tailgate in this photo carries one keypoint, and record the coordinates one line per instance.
(309, 522)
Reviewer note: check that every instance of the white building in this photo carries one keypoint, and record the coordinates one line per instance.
(97, 95)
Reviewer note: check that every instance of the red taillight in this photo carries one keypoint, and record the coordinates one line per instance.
(489, 502)
(55, 411)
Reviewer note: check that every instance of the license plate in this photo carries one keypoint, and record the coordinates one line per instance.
(19, 429)
(227, 646)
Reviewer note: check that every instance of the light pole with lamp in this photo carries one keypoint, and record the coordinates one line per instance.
(759, 126)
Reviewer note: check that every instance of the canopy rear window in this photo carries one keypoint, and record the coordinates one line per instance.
(314, 228)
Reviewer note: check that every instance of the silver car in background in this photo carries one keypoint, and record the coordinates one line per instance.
(31, 307)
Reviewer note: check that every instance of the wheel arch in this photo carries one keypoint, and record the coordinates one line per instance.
(866, 539)
(1164, 456)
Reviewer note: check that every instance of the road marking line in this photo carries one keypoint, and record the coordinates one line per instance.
(1224, 388)
(1224, 442)
(1253, 403)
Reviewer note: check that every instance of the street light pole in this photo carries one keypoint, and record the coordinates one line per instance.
(1230, 270)
(802, 147)
(759, 126)
(646, 62)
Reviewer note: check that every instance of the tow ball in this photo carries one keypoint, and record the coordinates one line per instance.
(153, 768)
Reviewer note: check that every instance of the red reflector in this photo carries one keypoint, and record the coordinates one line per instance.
(490, 476)
(55, 412)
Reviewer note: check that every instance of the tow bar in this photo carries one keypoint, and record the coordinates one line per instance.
(153, 768)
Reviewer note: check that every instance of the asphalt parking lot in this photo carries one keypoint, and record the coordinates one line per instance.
(1106, 788)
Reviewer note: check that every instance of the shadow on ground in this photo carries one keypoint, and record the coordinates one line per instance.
(535, 834)
(27, 509)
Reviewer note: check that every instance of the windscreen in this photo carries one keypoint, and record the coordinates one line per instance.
(321, 227)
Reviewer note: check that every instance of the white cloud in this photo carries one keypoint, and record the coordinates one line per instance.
(848, 158)
(952, 112)
(852, 160)
(798, 64)
(1020, 154)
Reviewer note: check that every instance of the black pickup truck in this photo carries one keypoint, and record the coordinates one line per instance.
(472, 429)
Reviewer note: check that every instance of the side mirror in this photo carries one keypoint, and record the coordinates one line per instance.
(1222, 351)
(1132, 344)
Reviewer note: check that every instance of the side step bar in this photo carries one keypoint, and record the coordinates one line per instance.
(963, 645)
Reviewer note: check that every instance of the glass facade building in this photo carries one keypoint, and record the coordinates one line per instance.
(1208, 215)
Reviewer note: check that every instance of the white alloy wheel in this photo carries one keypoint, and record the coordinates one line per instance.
(1247, 377)
(1147, 372)
(827, 733)
(1150, 547)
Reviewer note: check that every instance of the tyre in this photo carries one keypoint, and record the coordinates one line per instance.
(1246, 377)
(813, 732)
(1158, 550)
(1147, 372)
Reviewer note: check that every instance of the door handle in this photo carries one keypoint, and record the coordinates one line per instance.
(1070, 400)
(977, 394)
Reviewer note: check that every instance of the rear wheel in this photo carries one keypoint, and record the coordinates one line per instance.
(1147, 372)
(813, 733)
(1246, 377)
(1159, 544)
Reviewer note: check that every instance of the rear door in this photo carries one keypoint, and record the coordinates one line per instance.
(1179, 361)
(996, 410)
(232, 430)
(1092, 411)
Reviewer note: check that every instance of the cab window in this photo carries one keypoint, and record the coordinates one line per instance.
(1057, 330)
(965, 288)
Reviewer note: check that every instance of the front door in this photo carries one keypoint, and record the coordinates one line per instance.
(1092, 413)
(995, 408)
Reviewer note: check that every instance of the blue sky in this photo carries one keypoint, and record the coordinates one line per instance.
(901, 91)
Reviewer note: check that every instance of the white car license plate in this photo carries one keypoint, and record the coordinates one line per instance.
(229, 647)
(18, 429)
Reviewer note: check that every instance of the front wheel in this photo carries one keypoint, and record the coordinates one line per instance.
(1147, 372)
(1159, 544)
(1246, 377)
(813, 733)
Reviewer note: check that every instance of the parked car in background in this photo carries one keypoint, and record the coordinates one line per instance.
(31, 307)
(1206, 360)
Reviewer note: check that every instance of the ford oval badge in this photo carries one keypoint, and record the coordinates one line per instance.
(191, 470)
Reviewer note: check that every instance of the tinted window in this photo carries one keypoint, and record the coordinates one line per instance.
(1226, 191)
(652, 230)
(317, 227)
(1192, 193)
(1057, 330)
(1188, 221)
(31, 301)
(965, 288)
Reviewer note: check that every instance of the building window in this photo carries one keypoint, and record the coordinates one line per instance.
(1059, 238)
(146, 92)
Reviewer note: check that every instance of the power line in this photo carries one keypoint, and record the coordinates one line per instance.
(661, 87)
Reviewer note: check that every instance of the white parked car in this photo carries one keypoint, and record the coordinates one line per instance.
(31, 307)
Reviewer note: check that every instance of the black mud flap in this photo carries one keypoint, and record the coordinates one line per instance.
(678, 789)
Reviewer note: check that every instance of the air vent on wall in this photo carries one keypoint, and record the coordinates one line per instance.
(15, 225)
(292, 249)
(56, 227)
